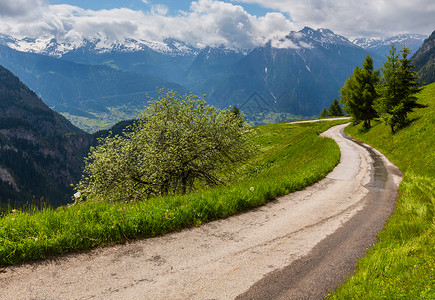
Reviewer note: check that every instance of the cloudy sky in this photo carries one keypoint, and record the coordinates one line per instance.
(240, 23)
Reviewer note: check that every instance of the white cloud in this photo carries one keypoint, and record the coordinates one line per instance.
(21, 8)
(354, 18)
(214, 22)
(284, 44)
(208, 22)
(160, 9)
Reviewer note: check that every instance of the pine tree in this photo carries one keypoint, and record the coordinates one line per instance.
(235, 110)
(335, 109)
(324, 113)
(359, 93)
(399, 84)
(239, 115)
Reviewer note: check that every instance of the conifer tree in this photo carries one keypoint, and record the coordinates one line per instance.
(335, 109)
(239, 115)
(399, 84)
(324, 113)
(359, 93)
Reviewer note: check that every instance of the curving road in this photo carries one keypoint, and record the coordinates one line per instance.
(299, 246)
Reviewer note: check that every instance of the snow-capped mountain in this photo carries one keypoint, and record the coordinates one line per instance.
(381, 46)
(49, 45)
(299, 74)
(101, 44)
(46, 45)
(320, 36)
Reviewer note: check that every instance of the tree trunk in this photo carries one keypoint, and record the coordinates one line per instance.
(184, 179)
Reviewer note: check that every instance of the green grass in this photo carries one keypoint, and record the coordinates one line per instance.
(290, 157)
(402, 264)
(90, 125)
(101, 121)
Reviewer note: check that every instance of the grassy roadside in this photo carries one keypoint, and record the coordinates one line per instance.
(290, 158)
(402, 264)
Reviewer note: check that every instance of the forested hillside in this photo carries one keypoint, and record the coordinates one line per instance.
(425, 60)
(41, 152)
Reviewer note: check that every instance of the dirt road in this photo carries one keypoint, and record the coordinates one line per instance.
(277, 251)
(320, 120)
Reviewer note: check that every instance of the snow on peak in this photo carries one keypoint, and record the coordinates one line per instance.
(49, 45)
(43, 45)
(309, 38)
(377, 42)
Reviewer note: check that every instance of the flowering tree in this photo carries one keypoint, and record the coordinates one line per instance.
(175, 145)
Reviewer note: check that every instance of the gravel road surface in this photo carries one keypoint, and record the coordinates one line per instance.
(299, 246)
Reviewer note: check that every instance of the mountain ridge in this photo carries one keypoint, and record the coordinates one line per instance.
(41, 153)
(425, 60)
(298, 79)
(381, 46)
(49, 45)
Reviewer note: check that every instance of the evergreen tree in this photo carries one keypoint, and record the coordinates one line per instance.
(397, 89)
(335, 109)
(239, 115)
(324, 113)
(359, 93)
(235, 110)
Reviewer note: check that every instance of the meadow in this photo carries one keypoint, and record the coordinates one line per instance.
(289, 158)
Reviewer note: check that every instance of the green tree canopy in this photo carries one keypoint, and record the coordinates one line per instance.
(397, 89)
(176, 144)
(359, 93)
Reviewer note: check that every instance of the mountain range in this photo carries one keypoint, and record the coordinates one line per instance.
(89, 92)
(298, 76)
(41, 152)
(96, 82)
(382, 46)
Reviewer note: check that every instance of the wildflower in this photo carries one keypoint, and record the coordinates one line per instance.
(251, 189)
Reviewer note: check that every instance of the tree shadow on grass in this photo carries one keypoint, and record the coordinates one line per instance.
(407, 123)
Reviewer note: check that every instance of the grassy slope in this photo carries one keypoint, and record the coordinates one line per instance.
(402, 264)
(290, 157)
